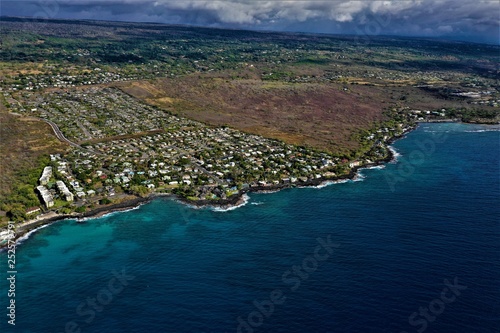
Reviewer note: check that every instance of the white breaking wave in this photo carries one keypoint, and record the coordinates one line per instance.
(245, 197)
(396, 155)
(329, 182)
(377, 167)
(323, 184)
(29, 233)
(84, 219)
(268, 191)
(358, 178)
(483, 130)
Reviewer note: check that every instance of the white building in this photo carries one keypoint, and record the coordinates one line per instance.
(64, 190)
(47, 198)
(46, 174)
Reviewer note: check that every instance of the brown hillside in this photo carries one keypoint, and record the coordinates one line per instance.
(320, 115)
(22, 141)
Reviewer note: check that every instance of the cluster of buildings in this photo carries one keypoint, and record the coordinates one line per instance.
(166, 152)
(41, 81)
(198, 157)
(48, 189)
(96, 113)
(46, 196)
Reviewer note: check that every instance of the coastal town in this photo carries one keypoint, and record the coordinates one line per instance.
(111, 117)
(249, 166)
(119, 146)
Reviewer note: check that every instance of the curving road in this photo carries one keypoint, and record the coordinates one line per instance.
(59, 134)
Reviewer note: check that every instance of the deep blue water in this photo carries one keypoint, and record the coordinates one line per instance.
(397, 236)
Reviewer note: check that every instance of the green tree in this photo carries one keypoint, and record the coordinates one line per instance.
(17, 212)
(81, 209)
(139, 190)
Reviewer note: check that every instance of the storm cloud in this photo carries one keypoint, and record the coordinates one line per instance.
(458, 19)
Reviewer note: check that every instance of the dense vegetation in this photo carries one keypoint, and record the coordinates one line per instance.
(22, 195)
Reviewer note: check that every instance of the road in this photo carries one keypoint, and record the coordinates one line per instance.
(194, 161)
(59, 134)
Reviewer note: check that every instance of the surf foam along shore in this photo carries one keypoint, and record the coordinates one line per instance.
(27, 235)
(110, 213)
(244, 200)
(237, 200)
(31, 226)
(395, 154)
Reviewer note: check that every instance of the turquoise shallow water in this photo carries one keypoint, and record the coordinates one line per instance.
(396, 236)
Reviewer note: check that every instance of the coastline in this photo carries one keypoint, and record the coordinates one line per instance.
(231, 202)
(43, 220)
(459, 121)
(237, 199)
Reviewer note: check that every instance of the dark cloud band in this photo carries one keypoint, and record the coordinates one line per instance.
(460, 19)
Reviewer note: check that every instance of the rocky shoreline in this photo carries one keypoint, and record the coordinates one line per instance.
(237, 199)
(28, 226)
(232, 201)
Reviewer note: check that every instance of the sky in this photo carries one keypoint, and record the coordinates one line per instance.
(468, 20)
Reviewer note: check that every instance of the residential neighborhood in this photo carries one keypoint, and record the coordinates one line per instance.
(120, 145)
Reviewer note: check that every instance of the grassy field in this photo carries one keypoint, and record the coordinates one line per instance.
(321, 115)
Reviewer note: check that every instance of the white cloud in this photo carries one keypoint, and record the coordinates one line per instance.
(409, 17)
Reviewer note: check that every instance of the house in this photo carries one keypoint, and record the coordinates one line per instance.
(32, 210)
(354, 164)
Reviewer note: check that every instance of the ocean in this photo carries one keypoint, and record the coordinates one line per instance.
(413, 246)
